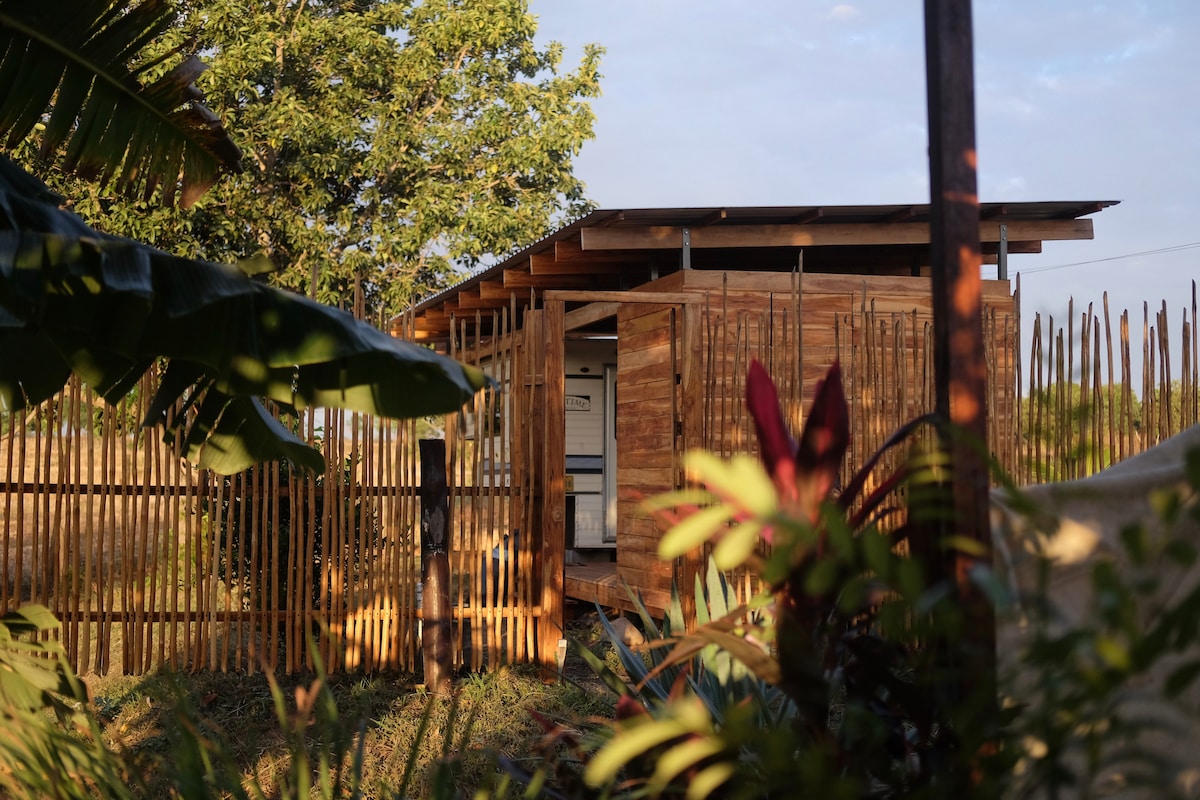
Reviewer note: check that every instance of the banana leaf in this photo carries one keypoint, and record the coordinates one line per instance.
(105, 307)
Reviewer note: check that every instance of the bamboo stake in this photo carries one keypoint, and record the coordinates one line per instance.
(1036, 366)
(257, 626)
(1109, 398)
(155, 634)
(1096, 409)
(12, 577)
(1195, 359)
(70, 559)
(1164, 344)
(1085, 374)
(1149, 418)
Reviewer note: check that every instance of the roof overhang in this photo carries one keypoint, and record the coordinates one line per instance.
(612, 249)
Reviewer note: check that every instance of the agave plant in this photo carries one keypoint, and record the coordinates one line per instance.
(685, 716)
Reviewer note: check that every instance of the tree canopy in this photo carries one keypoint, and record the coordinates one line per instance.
(73, 299)
(386, 142)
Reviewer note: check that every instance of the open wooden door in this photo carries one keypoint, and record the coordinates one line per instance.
(659, 405)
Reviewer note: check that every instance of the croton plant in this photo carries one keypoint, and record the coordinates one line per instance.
(836, 629)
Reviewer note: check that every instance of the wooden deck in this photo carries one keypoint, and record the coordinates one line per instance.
(600, 583)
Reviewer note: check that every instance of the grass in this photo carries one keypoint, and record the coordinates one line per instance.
(384, 717)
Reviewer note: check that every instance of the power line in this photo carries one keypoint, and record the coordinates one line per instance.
(1172, 249)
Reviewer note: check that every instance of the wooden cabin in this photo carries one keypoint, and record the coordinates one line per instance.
(621, 341)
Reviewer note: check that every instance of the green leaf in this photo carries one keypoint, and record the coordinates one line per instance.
(736, 545)
(741, 481)
(111, 306)
(633, 739)
(105, 116)
(245, 435)
(719, 593)
(1113, 653)
(764, 665)
(30, 618)
(31, 368)
(709, 779)
(601, 670)
(681, 497)
(693, 531)
(681, 757)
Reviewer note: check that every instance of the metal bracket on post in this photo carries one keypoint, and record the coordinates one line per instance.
(1002, 256)
(687, 249)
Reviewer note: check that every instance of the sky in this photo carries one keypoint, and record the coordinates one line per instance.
(803, 102)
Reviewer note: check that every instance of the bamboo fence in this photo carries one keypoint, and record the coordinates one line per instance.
(151, 563)
(1084, 406)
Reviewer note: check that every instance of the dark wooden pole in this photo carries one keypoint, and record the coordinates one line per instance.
(435, 566)
(960, 368)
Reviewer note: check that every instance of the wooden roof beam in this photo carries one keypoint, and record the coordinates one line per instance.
(589, 315)
(806, 217)
(433, 315)
(900, 215)
(546, 264)
(469, 300)
(521, 279)
(425, 328)
(748, 236)
(679, 298)
(450, 309)
(496, 290)
(571, 250)
(719, 215)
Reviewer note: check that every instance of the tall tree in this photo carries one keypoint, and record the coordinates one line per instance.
(386, 142)
(105, 307)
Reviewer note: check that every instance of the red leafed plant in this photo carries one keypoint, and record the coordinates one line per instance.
(834, 628)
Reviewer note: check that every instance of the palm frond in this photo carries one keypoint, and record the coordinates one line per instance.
(72, 70)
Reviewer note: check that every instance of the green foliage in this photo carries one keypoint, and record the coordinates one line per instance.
(52, 744)
(698, 714)
(134, 122)
(1073, 436)
(50, 747)
(387, 142)
(850, 630)
(1066, 430)
(74, 300)
(106, 308)
(1091, 691)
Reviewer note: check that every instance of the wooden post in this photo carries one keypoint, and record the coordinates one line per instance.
(554, 499)
(691, 392)
(435, 566)
(960, 368)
